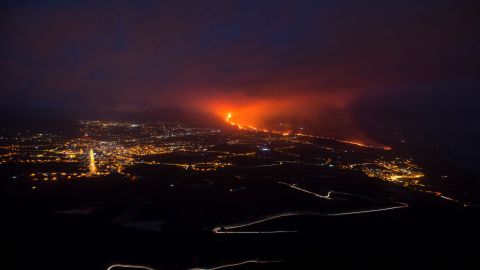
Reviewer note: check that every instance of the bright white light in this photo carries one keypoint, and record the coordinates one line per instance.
(131, 266)
(236, 264)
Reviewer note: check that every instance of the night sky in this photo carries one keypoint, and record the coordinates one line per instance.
(355, 66)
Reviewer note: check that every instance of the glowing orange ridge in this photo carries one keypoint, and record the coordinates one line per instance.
(229, 115)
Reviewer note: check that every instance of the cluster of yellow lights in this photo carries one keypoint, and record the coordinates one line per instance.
(116, 153)
(93, 167)
(53, 176)
(401, 172)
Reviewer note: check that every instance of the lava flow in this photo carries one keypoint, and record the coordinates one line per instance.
(229, 115)
(228, 119)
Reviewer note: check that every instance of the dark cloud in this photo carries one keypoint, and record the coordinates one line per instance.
(310, 60)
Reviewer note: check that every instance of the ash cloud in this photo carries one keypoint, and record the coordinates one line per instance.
(304, 61)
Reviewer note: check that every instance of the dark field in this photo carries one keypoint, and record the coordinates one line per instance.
(430, 233)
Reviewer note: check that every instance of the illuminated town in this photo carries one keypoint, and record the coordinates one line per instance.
(235, 135)
(103, 148)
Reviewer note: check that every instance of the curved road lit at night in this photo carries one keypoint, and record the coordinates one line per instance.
(228, 229)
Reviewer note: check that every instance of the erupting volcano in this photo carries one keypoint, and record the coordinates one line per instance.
(228, 119)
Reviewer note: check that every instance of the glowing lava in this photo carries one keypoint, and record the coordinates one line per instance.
(386, 148)
(228, 119)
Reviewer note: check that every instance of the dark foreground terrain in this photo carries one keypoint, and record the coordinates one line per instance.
(122, 195)
(169, 226)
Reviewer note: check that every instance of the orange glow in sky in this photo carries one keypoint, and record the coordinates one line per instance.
(284, 114)
(259, 112)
